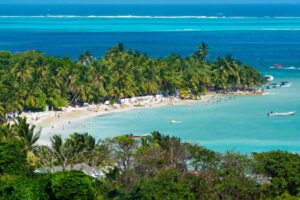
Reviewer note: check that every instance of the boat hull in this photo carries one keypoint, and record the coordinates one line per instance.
(275, 114)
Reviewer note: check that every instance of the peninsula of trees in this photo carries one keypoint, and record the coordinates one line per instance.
(32, 81)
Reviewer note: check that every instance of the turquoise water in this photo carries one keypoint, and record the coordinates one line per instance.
(239, 124)
(260, 35)
(129, 23)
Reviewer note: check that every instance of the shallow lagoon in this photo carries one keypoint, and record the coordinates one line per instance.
(238, 124)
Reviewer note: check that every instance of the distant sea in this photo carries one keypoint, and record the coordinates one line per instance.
(260, 35)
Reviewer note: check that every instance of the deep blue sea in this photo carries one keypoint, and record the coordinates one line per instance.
(260, 35)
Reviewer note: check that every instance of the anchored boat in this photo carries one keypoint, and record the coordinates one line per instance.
(175, 122)
(277, 66)
(269, 78)
(273, 85)
(274, 114)
(285, 84)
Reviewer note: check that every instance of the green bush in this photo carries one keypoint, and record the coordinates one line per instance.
(72, 185)
(13, 158)
(168, 185)
(23, 188)
(283, 168)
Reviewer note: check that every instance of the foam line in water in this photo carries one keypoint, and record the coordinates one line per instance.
(141, 17)
(286, 68)
(120, 16)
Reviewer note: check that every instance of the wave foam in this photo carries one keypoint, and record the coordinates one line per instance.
(286, 68)
(140, 17)
(252, 142)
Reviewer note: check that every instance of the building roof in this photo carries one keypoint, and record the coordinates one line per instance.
(88, 170)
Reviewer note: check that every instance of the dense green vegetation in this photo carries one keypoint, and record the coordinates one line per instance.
(32, 81)
(152, 167)
(155, 166)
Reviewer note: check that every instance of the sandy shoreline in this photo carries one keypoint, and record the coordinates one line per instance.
(52, 121)
(78, 114)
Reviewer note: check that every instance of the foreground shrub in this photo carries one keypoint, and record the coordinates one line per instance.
(23, 188)
(168, 184)
(72, 185)
(13, 158)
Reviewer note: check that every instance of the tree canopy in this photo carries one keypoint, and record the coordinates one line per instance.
(155, 166)
(34, 81)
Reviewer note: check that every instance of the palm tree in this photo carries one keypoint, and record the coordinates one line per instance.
(116, 50)
(45, 156)
(82, 147)
(32, 80)
(21, 72)
(60, 153)
(202, 52)
(77, 148)
(26, 132)
(86, 58)
(56, 143)
(5, 132)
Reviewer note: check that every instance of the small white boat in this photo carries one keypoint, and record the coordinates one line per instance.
(285, 84)
(277, 66)
(273, 85)
(175, 122)
(274, 114)
(269, 78)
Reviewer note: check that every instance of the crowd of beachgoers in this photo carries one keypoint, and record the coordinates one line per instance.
(98, 109)
(61, 119)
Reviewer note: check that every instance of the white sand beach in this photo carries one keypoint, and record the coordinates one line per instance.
(52, 121)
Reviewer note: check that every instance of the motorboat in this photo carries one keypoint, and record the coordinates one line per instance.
(285, 84)
(283, 114)
(269, 78)
(277, 66)
(175, 122)
(273, 85)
